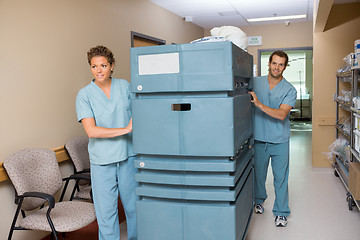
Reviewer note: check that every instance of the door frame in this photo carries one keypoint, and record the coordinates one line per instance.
(145, 37)
(260, 51)
(274, 49)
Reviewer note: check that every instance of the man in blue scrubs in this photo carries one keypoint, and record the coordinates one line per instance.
(273, 98)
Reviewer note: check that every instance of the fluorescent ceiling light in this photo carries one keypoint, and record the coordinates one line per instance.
(276, 18)
(228, 13)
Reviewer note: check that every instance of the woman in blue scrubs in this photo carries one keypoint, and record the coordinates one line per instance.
(104, 109)
(273, 98)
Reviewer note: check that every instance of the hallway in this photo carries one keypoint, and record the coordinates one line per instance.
(317, 201)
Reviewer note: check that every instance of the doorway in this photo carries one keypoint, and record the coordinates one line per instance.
(299, 73)
(142, 40)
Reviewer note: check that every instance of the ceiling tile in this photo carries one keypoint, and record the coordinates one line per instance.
(205, 13)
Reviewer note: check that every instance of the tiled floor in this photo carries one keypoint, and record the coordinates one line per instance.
(317, 201)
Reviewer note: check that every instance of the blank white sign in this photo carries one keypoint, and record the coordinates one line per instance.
(163, 63)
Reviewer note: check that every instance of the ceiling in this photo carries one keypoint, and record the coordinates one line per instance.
(215, 13)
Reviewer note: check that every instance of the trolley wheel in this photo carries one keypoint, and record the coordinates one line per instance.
(350, 201)
(351, 204)
(336, 173)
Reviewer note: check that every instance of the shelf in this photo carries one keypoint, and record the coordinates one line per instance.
(345, 179)
(344, 164)
(354, 110)
(342, 170)
(345, 79)
(344, 74)
(344, 105)
(338, 127)
(355, 154)
(350, 77)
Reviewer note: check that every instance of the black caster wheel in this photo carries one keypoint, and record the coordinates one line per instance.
(336, 173)
(351, 204)
(350, 201)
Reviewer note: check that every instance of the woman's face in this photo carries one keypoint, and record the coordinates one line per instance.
(101, 69)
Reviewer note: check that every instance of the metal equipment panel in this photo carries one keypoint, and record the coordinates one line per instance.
(199, 127)
(190, 67)
(179, 220)
(193, 178)
(189, 192)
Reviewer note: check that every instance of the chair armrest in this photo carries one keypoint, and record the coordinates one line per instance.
(78, 177)
(86, 170)
(49, 198)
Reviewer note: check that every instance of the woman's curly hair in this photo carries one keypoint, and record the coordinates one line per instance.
(101, 51)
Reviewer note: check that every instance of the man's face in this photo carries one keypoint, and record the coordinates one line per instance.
(277, 66)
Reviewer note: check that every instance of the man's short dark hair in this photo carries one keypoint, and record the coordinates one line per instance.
(281, 54)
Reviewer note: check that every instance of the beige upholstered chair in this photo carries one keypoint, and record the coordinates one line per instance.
(77, 149)
(35, 175)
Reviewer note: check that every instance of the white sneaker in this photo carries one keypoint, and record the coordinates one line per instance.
(258, 209)
(280, 221)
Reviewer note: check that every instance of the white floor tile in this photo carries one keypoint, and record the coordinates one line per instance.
(317, 202)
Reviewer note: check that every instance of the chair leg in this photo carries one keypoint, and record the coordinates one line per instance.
(55, 236)
(10, 233)
(76, 188)
(15, 218)
(51, 224)
(64, 190)
(12, 229)
(52, 236)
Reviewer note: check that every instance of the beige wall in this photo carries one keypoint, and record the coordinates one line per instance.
(43, 63)
(43, 48)
(330, 47)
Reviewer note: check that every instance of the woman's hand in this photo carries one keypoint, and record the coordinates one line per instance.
(129, 126)
(94, 131)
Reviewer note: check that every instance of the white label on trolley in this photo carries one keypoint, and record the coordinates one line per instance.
(163, 63)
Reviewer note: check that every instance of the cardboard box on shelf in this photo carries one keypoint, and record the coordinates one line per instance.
(354, 180)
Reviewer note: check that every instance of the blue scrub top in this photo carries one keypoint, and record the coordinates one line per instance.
(91, 102)
(266, 128)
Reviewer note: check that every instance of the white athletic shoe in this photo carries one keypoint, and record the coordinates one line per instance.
(280, 221)
(258, 209)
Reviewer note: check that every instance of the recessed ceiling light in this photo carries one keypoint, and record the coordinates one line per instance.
(229, 13)
(276, 18)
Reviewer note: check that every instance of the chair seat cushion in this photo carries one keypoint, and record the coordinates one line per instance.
(66, 216)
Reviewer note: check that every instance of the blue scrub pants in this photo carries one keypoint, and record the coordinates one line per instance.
(279, 154)
(108, 181)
